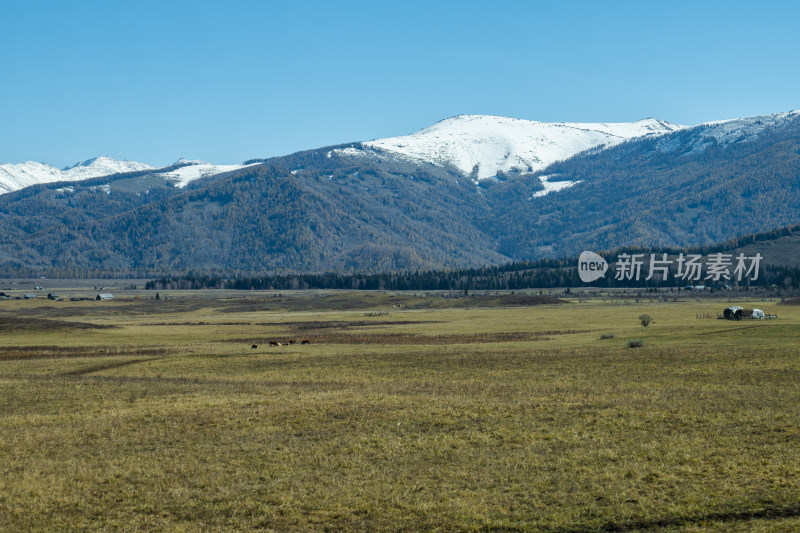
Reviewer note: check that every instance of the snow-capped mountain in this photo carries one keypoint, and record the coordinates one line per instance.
(724, 132)
(21, 175)
(491, 144)
(18, 176)
(102, 166)
(479, 146)
(360, 206)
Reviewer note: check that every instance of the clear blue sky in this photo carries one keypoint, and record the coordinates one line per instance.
(228, 81)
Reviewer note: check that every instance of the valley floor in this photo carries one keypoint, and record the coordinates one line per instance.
(401, 413)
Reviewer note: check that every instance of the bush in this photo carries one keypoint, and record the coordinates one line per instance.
(607, 336)
(635, 343)
(645, 320)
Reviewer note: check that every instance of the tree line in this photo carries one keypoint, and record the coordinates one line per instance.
(547, 274)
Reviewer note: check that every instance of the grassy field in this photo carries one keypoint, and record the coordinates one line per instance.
(403, 413)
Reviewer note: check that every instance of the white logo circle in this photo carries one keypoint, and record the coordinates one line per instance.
(591, 267)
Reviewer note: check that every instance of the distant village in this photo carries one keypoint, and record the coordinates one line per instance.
(55, 297)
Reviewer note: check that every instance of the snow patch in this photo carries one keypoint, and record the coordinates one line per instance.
(552, 186)
(350, 151)
(197, 170)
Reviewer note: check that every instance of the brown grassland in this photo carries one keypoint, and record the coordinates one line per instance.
(402, 414)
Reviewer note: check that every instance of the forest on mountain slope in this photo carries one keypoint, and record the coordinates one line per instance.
(777, 267)
(366, 210)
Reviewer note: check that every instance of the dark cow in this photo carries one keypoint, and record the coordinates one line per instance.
(254, 346)
(305, 341)
(274, 343)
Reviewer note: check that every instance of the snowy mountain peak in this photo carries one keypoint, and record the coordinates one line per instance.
(104, 163)
(101, 166)
(18, 176)
(88, 162)
(724, 132)
(492, 144)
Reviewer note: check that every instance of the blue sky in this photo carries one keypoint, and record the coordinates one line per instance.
(229, 81)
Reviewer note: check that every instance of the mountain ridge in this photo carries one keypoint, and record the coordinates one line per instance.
(355, 207)
(532, 147)
(17, 176)
(20, 175)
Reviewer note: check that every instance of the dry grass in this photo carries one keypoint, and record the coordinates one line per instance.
(484, 419)
(33, 325)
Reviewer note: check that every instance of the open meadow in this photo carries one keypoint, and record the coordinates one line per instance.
(401, 413)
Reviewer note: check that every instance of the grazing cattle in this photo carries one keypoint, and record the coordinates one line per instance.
(274, 343)
(292, 341)
(254, 346)
(305, 341)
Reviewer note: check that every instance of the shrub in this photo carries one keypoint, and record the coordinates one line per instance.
(607, 336)
(645, 320)
(635, 343)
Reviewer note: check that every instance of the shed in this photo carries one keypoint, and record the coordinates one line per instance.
(105, 296)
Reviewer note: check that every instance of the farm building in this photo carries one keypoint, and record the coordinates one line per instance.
(105, 296)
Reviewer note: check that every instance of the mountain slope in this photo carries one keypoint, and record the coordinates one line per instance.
(261, 217)
(362, 207)
(698, 185)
